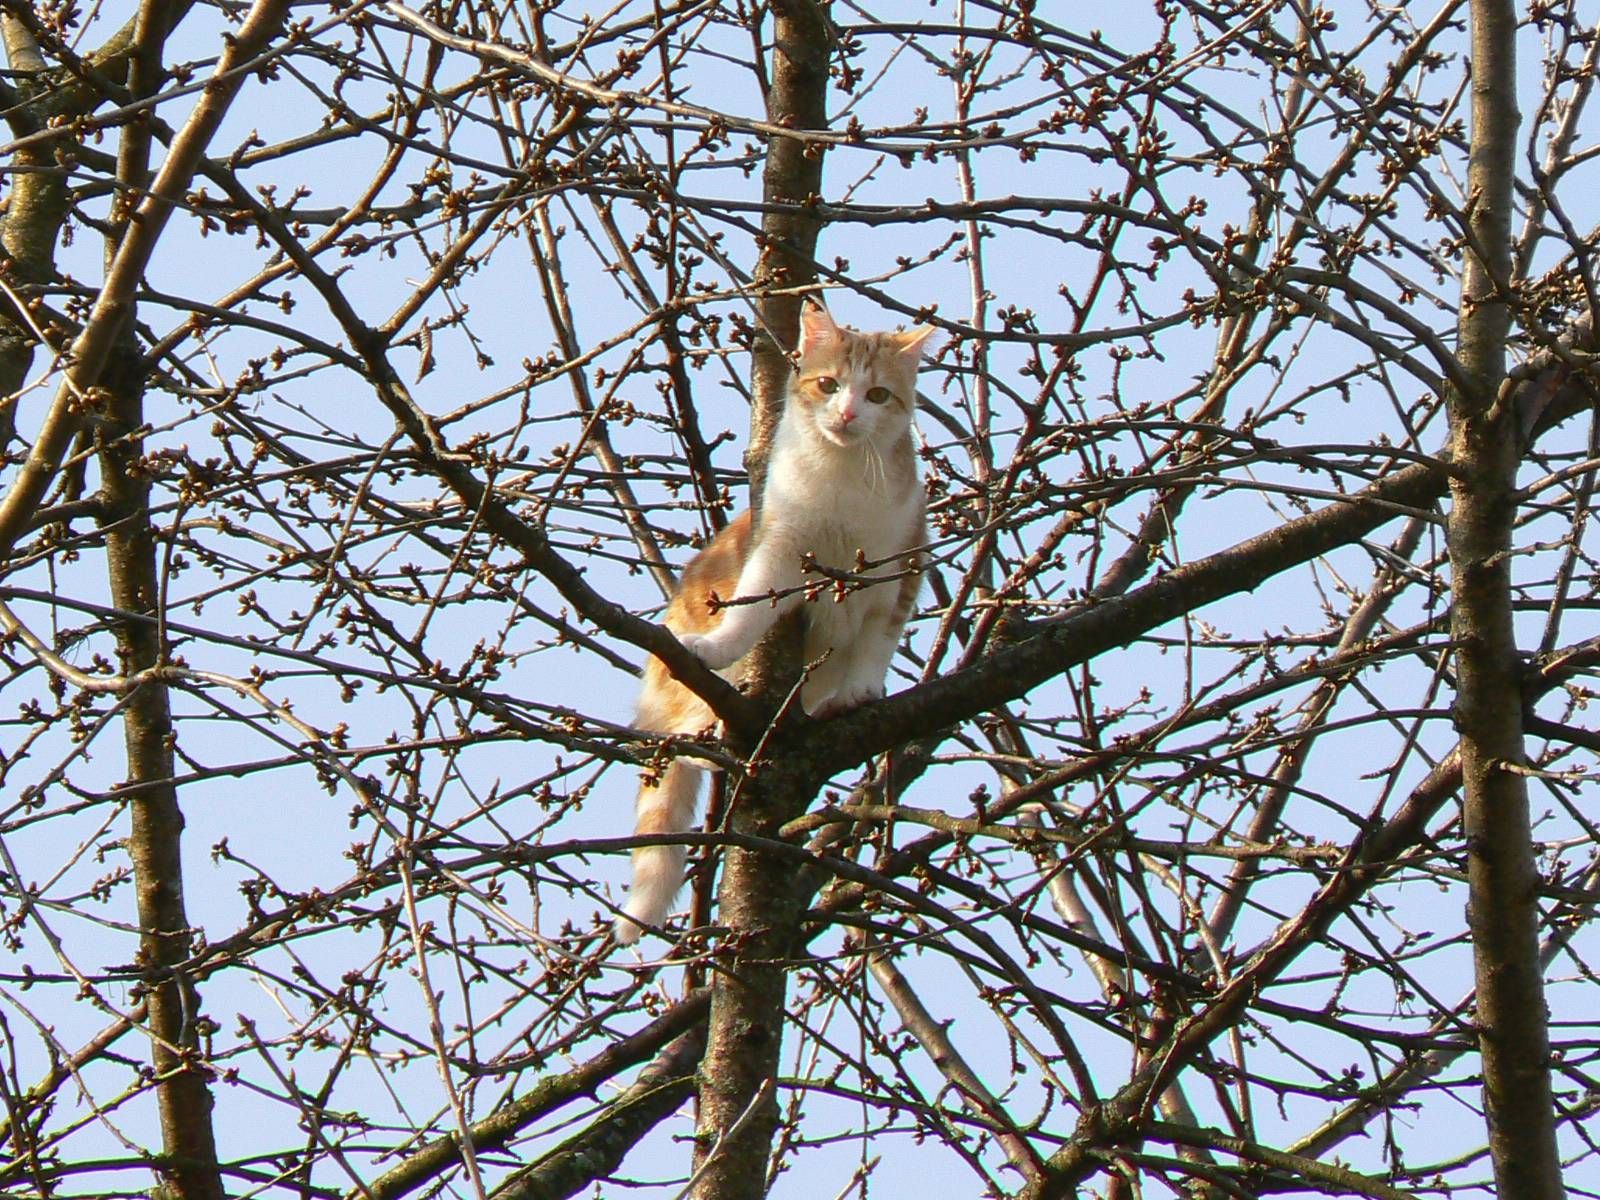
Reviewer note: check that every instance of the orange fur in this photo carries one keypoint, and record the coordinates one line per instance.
(842, 486)
(667, 805)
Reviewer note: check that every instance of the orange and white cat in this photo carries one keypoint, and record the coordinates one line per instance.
(842, 491)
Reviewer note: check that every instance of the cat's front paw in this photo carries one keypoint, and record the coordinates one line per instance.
(708, 650)
(847, 698)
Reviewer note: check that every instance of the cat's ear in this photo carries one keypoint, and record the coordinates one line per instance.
(912, 343)
(816, 328)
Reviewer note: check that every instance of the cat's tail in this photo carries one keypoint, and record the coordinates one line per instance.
(666, 807)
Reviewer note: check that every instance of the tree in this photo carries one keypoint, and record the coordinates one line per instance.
(370, 368)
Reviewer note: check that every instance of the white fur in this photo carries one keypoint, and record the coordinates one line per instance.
(841, 481)
(832, 494)
(658, 870)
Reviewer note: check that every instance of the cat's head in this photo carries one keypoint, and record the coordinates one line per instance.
(852, 387)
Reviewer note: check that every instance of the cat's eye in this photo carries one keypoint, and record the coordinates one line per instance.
(878, 395)
(827, 385)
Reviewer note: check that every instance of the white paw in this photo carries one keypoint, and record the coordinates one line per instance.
(708, 650)
(847, 698)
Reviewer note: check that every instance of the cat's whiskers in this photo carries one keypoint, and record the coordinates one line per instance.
(874, 472)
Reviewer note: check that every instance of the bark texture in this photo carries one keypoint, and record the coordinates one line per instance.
(111, 371)
(183, 1098)
(1502, 875)
(36, 205)
(156, 822)
(36, 198)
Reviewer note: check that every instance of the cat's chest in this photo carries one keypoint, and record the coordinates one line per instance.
(836, 543)
(838, 506)
(836, 528)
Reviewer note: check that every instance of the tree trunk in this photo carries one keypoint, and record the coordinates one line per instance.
(156, 824)
(738, 1104)
(154, 842)
(35, 208)
(1502, 875)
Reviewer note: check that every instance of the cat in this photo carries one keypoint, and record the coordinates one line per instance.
(843, 490)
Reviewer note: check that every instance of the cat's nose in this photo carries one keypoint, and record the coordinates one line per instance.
(846, 415)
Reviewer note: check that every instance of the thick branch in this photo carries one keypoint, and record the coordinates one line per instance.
(1502, 874)
(1549, 390)
(592, 1155)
